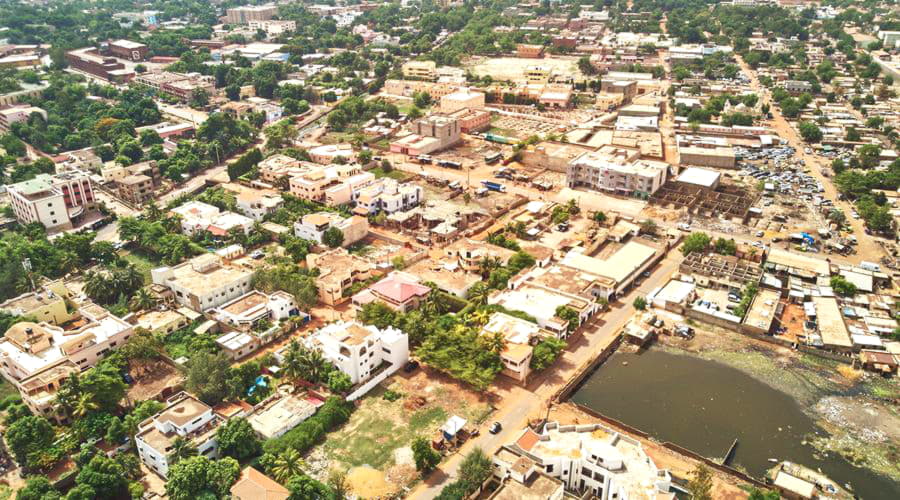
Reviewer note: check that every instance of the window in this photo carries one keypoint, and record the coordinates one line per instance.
(549, 468)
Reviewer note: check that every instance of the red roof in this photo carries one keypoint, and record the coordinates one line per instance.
(528, 439)
(398, 289)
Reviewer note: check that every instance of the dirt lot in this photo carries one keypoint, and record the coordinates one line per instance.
(375, 444)
(151, 379)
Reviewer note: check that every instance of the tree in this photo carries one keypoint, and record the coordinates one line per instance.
(233, 92)
(640, 303)
(38, 488)
(238, 440)
(810, 131)
(700, 484)
(475, 469)
(758, 494)
(425, 456)
(726, 247)
(695, 242)
(852, 135)
(29, 436)
(842, 286)
(333, 237)
(599, 217)
(570, 316)
(337, 481)
(201, 477)
(546, 353)
(339, 382)
(303, 487)
(206, 376)
(649, 227)
(287, 465)
(105, 476)
(181, 449)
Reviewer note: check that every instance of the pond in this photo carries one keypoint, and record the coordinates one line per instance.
(703, 406)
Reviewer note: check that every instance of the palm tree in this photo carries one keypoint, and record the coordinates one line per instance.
(494, 342)
(154, 213)
(487, 265)
(288, 465)
(98, 287)
(478, 318)
(181, 449)
(85, 405)
(142, 300)
(315, 366)
(479, 293)
(293, 364)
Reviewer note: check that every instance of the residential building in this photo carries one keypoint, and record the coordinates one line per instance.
(328, 153)
(28, 90)
(399, 291)
(283, 414)
(526, 482)
(199, 216)
(248, 13)
(622, 268)
(423, 70)
(428, 135)
(338, 271)
(274, 28)
(37, 357)
(48, 304)
(126, 49)
(614, 170)
(389, 196)
(591, 460)
(360, 350)
(312, 227)
(464, 99)
(520, 336)
(472, 120)
(445, 274)
(552, 155)
(348, 190)
(184, 416)
(314, 184)
(204, 282)
(52, 200)
(541, 303)
(161, 322)
(254, 485)
(256, 203)
(248, 310)
(16, 114)
(471, 253)
(135, 189)
(179, 85)
(90, 61)
(797, 86)
(276, 167)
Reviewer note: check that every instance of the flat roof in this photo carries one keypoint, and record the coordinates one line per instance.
(798, 261)
(831, 323)
(618, 267)
(699, 176)
(762, 311)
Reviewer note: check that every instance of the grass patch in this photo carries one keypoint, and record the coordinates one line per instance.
(393, 174)
(142, 264)
(5, 492)
(7, 389)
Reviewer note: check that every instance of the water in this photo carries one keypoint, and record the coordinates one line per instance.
(703, 406)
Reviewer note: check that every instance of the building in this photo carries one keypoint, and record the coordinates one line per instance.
(257, 203)
(520, 336)
(90, 61)
(126, 49)
(199, 216)
(428, 135)
(797, 86)
(399, 291)
(469, 254)
(831, 327)
(389, 196)
(338, 271)
(281, 415)
(180, 85)
(472, 120)
(135, 189)
(464, 99)
(204, 282)
(618, 172)
(360, 350)
(54, 201)
(541, 303)
(537, 74)
(37, 357)
(328, 153)
(622, 268)
(529, 51)
(278, 166)
(526, 482)
(248, 13)
(247, 311)
(707, 179)
(312, 227)
(422, 70)
(334, 184)
(254, 485)
(184, 416)
(16, 114)
(27, 90)
(160, 322)
(555, 156)
(274, 28)
(47, 305)
(591, 461)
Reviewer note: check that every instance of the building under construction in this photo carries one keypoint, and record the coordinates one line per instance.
(732, 201)
(720, 271)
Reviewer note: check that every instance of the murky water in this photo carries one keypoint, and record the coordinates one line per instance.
(703, 406)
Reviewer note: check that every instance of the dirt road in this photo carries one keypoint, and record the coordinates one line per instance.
(519, 404)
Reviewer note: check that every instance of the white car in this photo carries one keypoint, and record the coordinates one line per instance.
(854, 214)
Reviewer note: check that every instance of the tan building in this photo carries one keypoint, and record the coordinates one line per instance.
(429, 134)
(135, 189)
(530, 51)
(247, 13)
(204, 282)
(400, 291)
(471, 253)
(520, 336)
(423, 70)
(46, 305)
(338, 271)
(312, 227)
(254, 485)
(465, 98)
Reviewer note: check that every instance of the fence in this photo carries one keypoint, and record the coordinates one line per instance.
(575, 382)
(372, 382)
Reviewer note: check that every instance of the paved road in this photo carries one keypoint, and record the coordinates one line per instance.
(518, 404)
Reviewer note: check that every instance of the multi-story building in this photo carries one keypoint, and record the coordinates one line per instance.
(348, 189)
(518, 351)
(28, 90)
(126, 49)
(246, 311)
(610, 169)
(387, 195)
(52, 200)
(590, 460)
(359, 350)
(338, 271)
(472, 120)
(312, 227)
(530, 51)
(45, 305)
(248, 13)
(204, 282)
(797, 86)
(256, 203)
(276, 167)
(465, 98)
(274, 28)
(135, 189)
(179, 85)
(199, 216)
(469, 254)
(184, 416)
(400, 291)
(37, 357)
(423, 70)
(18, 113)
(314, 184)
(429, 134)
(90, 61)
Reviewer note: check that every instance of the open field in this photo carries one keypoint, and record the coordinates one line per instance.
(141, 263)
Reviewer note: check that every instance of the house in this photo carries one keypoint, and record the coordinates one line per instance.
(338, 271)
(160, 322)
(542, 303)
(400, 291)
(280, 415)
(254, 485)
(591, 461)
(389, 196)
(199, 216)
(360, 350)
(204, 282)
(520, 336)
(18, 113)
(184, 416)
(312, 227)
(471, 253)
(48, 304)
(247, 311)
(37, 357)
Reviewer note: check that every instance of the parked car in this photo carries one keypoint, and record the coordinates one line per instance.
(496, 427)
(411, 366)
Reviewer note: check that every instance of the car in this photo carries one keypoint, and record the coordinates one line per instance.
(496, 427)
(760, 234)
(127, 378)
(257, 254)
(411, 366)
(562, 227)
(646, 274)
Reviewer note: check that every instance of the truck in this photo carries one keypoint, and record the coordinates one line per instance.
(493, 157)
(494, 186)
(449, 164)
(870, 266)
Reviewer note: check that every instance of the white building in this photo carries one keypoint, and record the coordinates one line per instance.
(359, 350)
(389, 196)
(199, 216)
(312, 227)
(592, 460)
(52, 200)
(518, 351)
(248, 310)
(204, 282)
(184, 416)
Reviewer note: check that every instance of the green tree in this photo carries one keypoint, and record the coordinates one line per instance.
(810, 131)
(695, 242)
(333, 237)
(570, 316)
(38, 488)
(842, 286)
(29, 436)
(238, 440)
(200, 477)
(546, 352)
(700, 483)
(726, 247)
(475, 469)
(852, 135)
(425, 456)
(105, 476)
(758, 494)
(339, 382)
(287, 465)
(206, 376)
(640, 303)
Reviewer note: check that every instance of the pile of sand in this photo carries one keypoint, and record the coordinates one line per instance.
(367, 482)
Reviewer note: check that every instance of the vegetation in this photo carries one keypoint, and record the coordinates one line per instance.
(695, 242)
(546, 352)
(425, 456)
(842, 286)
(332, 414)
